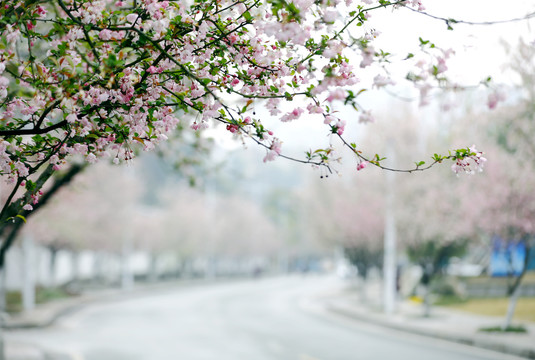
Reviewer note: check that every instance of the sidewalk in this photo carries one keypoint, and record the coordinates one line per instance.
(44, 315)
(443, 323)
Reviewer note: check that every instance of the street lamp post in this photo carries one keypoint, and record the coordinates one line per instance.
(389, 263)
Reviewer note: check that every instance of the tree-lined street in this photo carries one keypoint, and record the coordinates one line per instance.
(403, 97)
(277, 318)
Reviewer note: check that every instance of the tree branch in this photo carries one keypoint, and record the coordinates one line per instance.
(34, 131)
(18, 222)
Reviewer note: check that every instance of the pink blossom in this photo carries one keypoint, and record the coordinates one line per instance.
(131, 18)
(314, 109)
(329, 119)
(424, 91)
(71, 118)
(381, 81)
(152, 70)
(366, 117)
(12, 35)
(372, 34)
(199, 125)
(27, 207)
(330, 16)
(333, 49)
(35, 197)
(274, 150)
(367, 56)
(295, 114)
(494, 98)
(233, 38)
(233, 128)
(105, 34)
(362, 165)
(91, 158)
(21, 169)
(340, 127)
(337, 94)
(441, 66)
(41, 11)
(118, 35)
(470, 163)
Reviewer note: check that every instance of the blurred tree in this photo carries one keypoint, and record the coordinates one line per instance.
(506, 201)
(359, 217)
(512, 214)
(433, 256)
(96, 212)
(435, 224)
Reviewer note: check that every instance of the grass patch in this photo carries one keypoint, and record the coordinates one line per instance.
(13, 301)
(42, 295)
(450, 300)
(509, 329)
(529, 278)
(525, 307)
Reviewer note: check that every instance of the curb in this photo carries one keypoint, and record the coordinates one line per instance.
(77, 303)
(465, 340)
(24, 324)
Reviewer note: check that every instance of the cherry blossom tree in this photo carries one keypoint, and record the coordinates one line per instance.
(95, 79)
(508, 211)
(104, 198)
(433, 222)
(218, 226)
(507, 197)
(360, 222)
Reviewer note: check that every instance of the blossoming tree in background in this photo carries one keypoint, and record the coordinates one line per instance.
(508, 212)
(509, 204)
(96, 224)
(95, 79)
(360, 223)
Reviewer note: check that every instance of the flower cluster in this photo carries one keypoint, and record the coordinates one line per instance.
(92, 78)
(468, 160)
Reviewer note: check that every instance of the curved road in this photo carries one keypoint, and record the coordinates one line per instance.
(265, 319)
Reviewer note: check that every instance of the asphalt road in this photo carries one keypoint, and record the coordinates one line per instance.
(265, 319)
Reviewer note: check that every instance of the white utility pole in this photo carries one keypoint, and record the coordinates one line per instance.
(389, 263)
(28, 287)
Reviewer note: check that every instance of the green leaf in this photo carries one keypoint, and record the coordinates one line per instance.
(247, 15)
(21, 217)
(111, 61)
